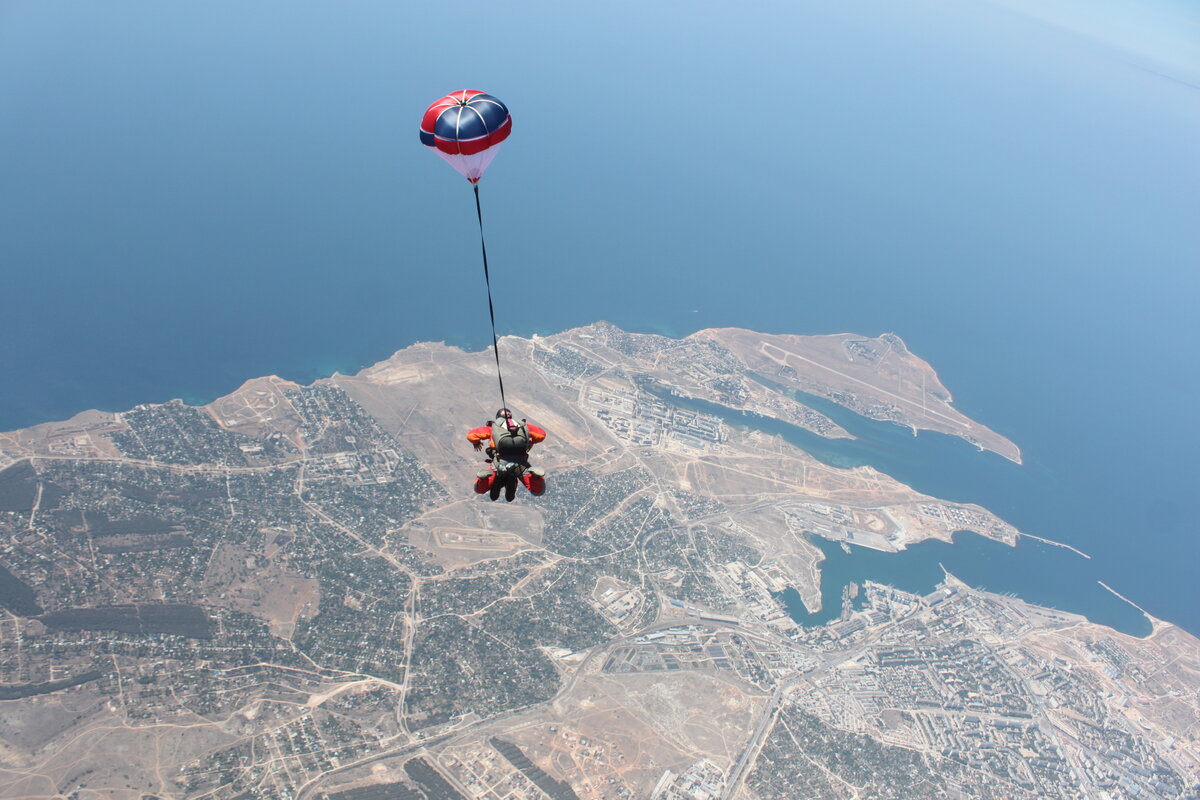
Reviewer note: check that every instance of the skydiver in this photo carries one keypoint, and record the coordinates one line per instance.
(508, 445)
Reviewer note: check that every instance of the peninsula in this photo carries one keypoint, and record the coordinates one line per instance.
(293, 592)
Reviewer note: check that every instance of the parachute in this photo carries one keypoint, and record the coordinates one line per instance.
(466, 129)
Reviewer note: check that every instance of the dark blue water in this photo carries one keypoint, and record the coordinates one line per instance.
(193, 193)
(1039, 573)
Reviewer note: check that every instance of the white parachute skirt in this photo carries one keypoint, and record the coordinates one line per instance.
(471, 167)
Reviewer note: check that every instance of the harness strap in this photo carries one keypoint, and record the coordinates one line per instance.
(487, 279)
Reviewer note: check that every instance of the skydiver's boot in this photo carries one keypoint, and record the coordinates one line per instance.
(535, 480)
(483, 481)
(510, 488)
(495, 486)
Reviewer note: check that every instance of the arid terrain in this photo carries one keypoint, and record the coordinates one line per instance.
(293, 592)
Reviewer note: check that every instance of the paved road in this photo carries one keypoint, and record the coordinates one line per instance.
(764, 725)
(409, 749)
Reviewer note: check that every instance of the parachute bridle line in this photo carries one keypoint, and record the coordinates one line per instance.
(487, 279)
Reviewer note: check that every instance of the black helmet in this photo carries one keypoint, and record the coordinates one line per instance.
(503, 413)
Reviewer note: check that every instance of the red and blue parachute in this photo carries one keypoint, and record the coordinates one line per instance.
(466, 129)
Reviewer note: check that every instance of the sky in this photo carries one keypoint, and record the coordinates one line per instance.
(1160, 36)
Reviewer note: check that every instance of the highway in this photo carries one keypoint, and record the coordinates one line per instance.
(307, 789)
(765, 723)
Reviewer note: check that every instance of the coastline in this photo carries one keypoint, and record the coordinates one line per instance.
(324, 371)
(57, 440)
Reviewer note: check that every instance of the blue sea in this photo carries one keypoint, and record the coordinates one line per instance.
(1037, 572)
(192, 194)
(949, 468)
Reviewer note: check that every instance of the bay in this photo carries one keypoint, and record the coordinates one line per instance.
(1039, 573)
(948, 468)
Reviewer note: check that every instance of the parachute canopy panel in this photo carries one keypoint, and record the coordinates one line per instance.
(466, 129)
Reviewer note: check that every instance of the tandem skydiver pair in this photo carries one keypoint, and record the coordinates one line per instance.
(508, 443)
(466, 129)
